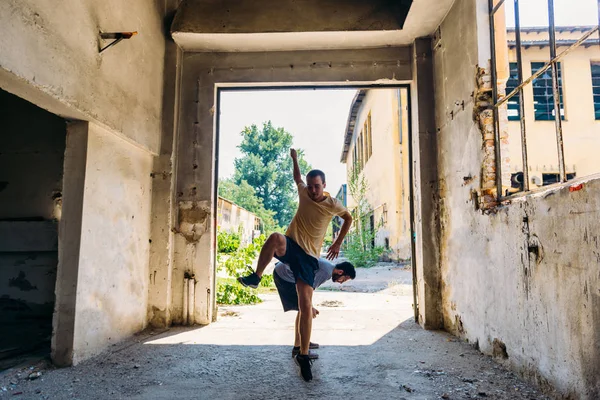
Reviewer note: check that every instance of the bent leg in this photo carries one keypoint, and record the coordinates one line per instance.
(276, 244)
(305, 293)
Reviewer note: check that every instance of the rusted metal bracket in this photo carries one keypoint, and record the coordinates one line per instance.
(118, 36)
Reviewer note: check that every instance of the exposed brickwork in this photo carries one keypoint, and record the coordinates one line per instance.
(483, 114)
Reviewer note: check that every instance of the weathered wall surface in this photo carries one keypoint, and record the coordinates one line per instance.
(521, 282)
(50, 56)
(112, 283)
(196, 203)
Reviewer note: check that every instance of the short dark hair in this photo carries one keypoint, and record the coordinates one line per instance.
(348, 269)
(316, 172)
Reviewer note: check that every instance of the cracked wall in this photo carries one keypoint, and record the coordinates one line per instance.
(519, 280)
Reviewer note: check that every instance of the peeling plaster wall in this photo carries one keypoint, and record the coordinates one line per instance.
(50, 51)
(521, 282)
(194, 241)
(112, 283)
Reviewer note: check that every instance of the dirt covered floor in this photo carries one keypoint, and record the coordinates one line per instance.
(370, 348)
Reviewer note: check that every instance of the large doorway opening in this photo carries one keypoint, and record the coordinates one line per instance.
(360, 137)
(31, 172)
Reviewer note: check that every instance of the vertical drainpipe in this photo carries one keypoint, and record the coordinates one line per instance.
(185, 300)
(191, 302)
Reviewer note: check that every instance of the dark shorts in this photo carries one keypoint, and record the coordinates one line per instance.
(302, 265)
(287, 293)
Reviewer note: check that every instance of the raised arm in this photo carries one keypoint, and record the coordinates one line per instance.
(334, 249)
(297, 174)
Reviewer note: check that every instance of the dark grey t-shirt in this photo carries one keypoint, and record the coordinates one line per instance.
(321, 276)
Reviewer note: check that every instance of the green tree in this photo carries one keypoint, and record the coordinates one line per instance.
(267, 167)
(244, 196)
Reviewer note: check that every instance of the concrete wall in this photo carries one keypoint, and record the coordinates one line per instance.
(519, 281)
(50, 52)
(386, 169)
(196, 220)
(111, 252)
(50, 57)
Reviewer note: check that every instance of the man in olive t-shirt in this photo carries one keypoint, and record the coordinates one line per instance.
(301, 246)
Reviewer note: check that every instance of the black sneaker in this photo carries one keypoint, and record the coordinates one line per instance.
(251, 280)
(304, 363)
(311, 355)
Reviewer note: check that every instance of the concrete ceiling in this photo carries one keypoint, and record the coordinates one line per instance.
(288, 25)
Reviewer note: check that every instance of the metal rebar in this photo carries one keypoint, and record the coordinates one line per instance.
(497, 154)
(548, 65)
(495, 9)
(521, 97)
(556, 93)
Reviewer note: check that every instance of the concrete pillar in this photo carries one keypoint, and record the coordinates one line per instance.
(164, 173)
(426, 189)
(69, 243)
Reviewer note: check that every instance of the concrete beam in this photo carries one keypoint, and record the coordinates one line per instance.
(286, 25)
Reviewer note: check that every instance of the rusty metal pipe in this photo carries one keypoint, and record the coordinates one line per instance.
(521, 99)
(556, 93)
(497, 154)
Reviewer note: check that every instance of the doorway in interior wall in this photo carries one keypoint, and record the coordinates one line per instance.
(31, 172)
(358, 135)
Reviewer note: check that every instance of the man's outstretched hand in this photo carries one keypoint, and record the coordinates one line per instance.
(293, 154)
(315, 312)
(333, 251)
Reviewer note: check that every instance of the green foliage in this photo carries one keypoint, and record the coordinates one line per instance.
(328, 240)
(244, 196)
(358, 246)
(227, 242)
(232, 292)
(267, 167)
(267, 281)
(236, 264)
(359, 251)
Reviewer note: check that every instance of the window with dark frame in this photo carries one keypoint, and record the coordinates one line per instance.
(511, 84)
(543, 97)
(544, 87)
(596, 88)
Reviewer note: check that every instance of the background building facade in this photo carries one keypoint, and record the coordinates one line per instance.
(378, 135)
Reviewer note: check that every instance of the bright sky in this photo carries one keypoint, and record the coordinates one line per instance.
(315, 118)
(566, 12)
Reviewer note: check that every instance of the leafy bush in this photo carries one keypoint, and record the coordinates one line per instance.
(232, 292)
(358, 245)
(238, 263)
(267, 281)
(228, 242)
(359, 251)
